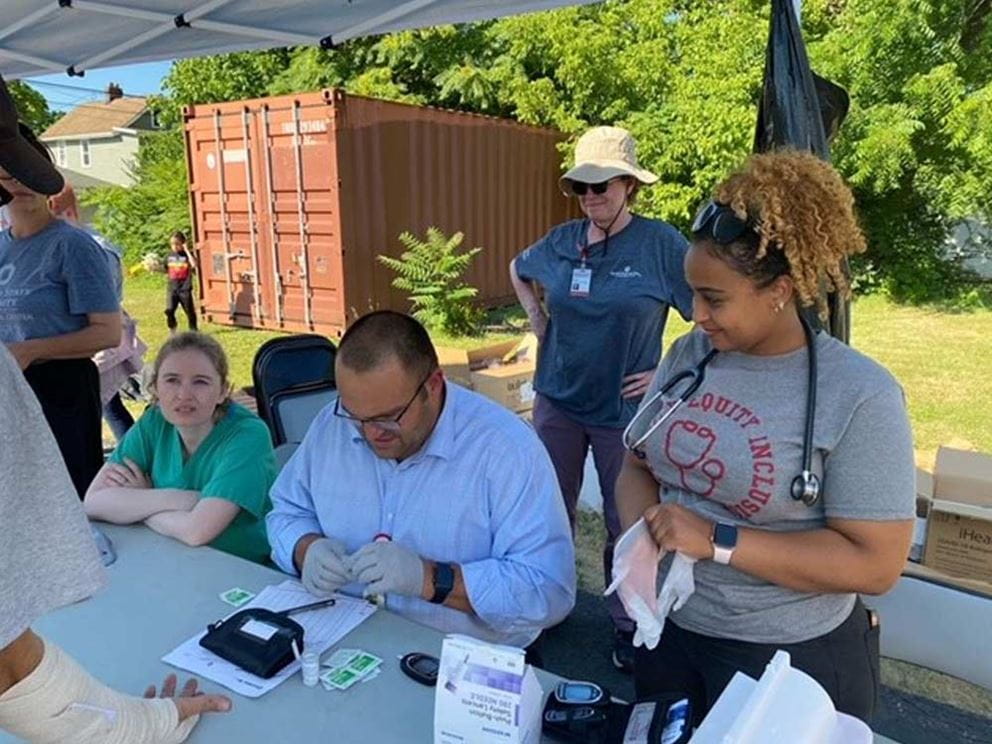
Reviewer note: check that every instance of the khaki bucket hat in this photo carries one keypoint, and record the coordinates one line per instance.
(603, 153)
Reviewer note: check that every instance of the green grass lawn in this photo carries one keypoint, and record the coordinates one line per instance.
(943, 359)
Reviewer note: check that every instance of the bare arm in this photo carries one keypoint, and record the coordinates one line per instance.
(847, 556)
(122, 494)
(102, 332)
(527, 294)
(635, 491)
(198, 526)
(130, 505)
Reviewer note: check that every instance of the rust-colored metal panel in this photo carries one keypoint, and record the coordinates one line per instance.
(294, 197)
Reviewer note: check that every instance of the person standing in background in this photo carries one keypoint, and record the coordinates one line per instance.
(608, 281)
(58, 306)
(179, 267)
(115, 365)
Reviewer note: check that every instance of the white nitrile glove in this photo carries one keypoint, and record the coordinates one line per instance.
(325, 567)
(388, 568)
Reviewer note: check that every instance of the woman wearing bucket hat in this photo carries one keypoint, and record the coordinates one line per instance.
(58, 306)
(608, 282)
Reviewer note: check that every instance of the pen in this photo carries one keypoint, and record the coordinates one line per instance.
(308, 607)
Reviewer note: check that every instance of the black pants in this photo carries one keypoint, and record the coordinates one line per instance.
(69, 393)
(173, 299)
(845, 662)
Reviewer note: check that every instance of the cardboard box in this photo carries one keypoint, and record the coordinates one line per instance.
(485, 693)
(963, 477)
(510, 385)
(959, 540)
(459, 363)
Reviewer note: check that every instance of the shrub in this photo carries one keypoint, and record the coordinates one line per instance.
(431, 271)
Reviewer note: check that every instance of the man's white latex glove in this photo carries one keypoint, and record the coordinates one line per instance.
(326, 567)
(388, 568)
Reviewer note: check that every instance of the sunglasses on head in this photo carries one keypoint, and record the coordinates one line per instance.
(719, 223)
(581, 188)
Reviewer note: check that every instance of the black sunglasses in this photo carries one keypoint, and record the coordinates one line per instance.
(719, 222)
(581, 188)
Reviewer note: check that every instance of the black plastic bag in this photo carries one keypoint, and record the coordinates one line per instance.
(802, 110)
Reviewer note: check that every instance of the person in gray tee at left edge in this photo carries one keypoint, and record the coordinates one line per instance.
(722, 478)
(608, 282)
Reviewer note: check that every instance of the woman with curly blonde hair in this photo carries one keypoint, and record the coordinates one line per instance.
(788, 524)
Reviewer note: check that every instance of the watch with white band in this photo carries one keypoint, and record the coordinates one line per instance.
(724, 540)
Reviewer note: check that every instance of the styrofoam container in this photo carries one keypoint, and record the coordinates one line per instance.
(784, 705)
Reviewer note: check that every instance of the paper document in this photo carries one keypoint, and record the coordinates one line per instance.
(323, 627)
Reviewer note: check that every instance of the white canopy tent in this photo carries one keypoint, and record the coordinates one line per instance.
(39, 37)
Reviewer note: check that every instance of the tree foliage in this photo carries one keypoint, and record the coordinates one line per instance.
(32, 108)
(685, 78)
(140, 218)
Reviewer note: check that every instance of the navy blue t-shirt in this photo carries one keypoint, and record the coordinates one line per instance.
(594, 341)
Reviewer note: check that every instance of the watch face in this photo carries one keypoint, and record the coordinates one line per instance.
(444, 577)
(725, 535)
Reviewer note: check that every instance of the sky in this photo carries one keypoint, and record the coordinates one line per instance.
(63, 92)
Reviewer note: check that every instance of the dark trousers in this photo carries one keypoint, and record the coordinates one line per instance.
(845, 662)
(568, 441)
(175, 298)
(117, 416)
(69, 393)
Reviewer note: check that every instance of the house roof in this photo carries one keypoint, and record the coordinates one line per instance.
(97, 117)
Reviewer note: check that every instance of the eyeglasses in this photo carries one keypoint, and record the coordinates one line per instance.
(719, 222)
(390, 424)
(581, 188)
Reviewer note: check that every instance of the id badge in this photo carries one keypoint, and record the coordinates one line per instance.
(581, 281)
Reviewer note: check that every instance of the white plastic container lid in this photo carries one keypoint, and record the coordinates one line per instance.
(784, 705)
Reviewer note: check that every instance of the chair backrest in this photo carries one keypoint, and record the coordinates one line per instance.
(283, 452)
(287, 363)
(293, 410)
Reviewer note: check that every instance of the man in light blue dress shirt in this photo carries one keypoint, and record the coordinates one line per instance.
(413, 488)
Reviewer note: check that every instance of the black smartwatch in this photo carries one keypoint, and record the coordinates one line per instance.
(444, 582)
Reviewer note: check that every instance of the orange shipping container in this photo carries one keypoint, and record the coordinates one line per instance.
(293, 198)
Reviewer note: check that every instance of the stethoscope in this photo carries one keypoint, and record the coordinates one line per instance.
(805, 486)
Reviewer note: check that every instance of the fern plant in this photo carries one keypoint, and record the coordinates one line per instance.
(431, 271)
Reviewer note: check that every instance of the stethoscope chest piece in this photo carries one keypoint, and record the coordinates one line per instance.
(806, 488)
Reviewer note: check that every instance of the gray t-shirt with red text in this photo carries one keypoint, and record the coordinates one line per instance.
(730, 453)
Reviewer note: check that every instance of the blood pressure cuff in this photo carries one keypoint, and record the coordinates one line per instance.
(661, 719)
(60, 702)
(257, 640)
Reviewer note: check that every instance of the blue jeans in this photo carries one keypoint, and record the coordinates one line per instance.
(117, 416)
